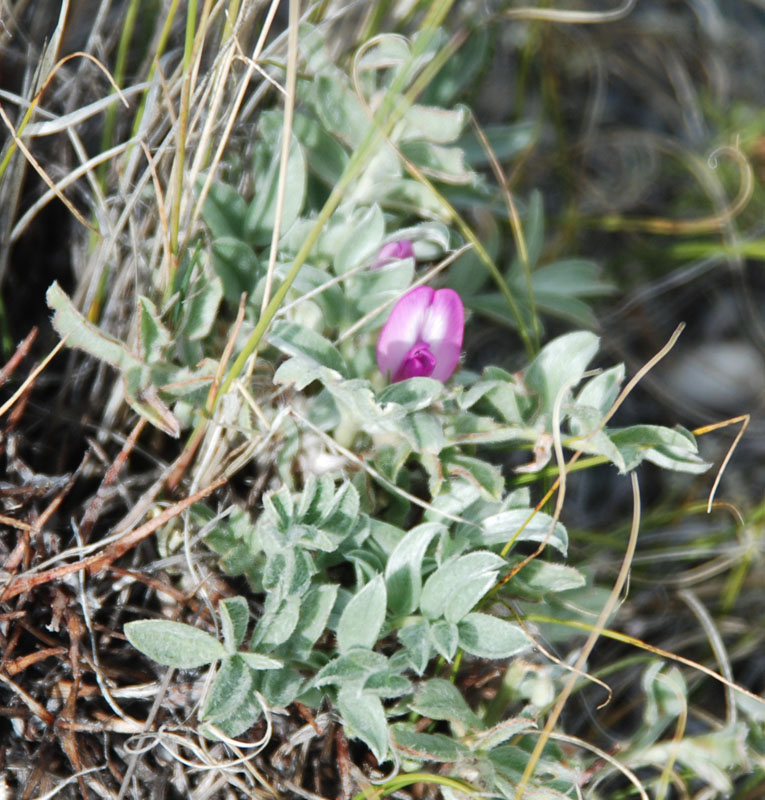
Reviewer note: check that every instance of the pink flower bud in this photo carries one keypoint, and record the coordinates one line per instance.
(394, 251)
(423, 335)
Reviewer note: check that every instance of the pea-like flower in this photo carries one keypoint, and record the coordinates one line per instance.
(423, 335)
(393, 251)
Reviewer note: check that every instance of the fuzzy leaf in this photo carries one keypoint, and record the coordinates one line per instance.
(363, 617)
(485, 476)
(490, 637)
(326, 156)
(154, 335)
(539, 578)
(445, 163)
(440, 699)
(413, 393)
(523, 525)
(387, 684)
(344, 511)
(380, 284)
(316, 499)
(234, 618)
(362, 242)
(561, 363)
(666, 447)
(314, 614)
(445, 637)
(600, 391)
(295, 340)
(199, 308)
(224, 211)
(173, 643)
(404, 568)
(339, 110)
(69, 322)
(356, 667)
(257, 662)
(277, 623)
(229, 690)
(416, 639)
(457, 585)
(425, 746)
(434, 124)
(237, 266)
(364, 718)
(261, 214)
(486, 740)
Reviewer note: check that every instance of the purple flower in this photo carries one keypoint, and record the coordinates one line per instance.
(394, 251)
(423, 335)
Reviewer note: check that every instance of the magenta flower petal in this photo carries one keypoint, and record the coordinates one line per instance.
(423, 335)
(394, 251)
(443, 330)
(402, 330)
(419, 362)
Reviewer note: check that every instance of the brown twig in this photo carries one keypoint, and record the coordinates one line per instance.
(38, 710)
(99, 561)
(23, 662)
(160, 586)
(96, 504)
(21, 353)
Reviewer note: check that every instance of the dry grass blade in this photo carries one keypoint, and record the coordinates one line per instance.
(31, 378)
(561, 663)
(628, 773)
(94, 509)
(236, 106)
(42, 173)
(36, 708)
(588, 646)
(744, 419)
(56, 191)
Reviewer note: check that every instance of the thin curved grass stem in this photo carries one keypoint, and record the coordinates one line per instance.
(515, 226)
(718, 647)
(609, 633)
(571, 17)
(605, 613)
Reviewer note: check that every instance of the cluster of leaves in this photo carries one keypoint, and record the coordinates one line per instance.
(356, 603)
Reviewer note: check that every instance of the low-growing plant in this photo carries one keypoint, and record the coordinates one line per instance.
(389, 548)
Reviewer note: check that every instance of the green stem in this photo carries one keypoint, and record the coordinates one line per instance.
(128, 26)
(159, 50)
(401, 781)
(553, 471)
